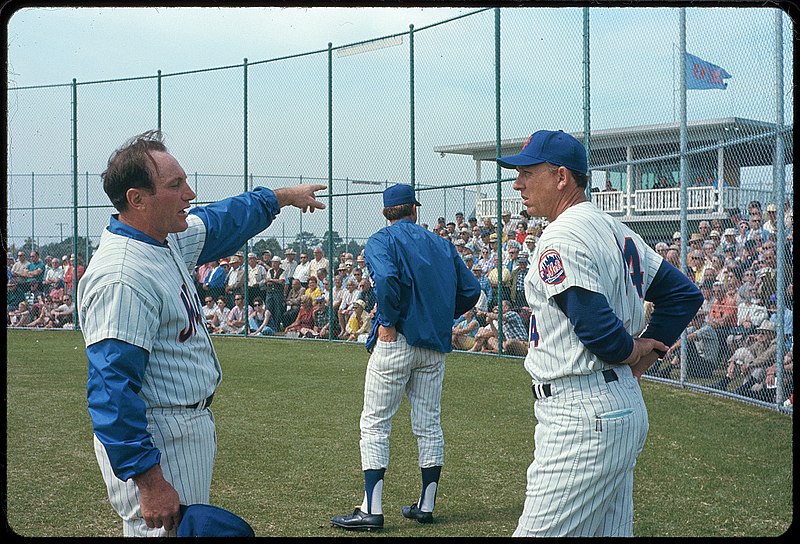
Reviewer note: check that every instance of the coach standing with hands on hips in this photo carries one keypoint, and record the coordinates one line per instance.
(421, 285)
(588, 345)
(152, 367)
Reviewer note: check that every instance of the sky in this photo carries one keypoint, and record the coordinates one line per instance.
(633, 59)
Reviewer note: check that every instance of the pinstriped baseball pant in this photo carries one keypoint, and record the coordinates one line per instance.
(395, 368)
(588, 435)
(188, 444)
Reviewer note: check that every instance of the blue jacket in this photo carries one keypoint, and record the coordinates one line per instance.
(421, 285)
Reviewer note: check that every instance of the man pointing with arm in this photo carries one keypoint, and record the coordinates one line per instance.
(152, 367)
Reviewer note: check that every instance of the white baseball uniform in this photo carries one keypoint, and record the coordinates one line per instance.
(152, 366)
(592, 428)
(153, 305)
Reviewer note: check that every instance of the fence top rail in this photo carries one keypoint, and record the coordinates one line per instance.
(245, 62)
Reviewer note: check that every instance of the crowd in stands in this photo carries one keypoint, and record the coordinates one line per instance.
(731, 343)
(733, 339)
(39, 291)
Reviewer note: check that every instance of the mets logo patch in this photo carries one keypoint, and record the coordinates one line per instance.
(551, 269)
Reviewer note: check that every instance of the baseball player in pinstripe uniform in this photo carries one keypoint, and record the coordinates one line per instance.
(152, 367)
(421, 285)
(589, 345)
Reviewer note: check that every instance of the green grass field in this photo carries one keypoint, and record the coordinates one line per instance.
(287, 421)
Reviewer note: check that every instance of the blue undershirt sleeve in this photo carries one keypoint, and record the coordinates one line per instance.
(232, 221)
(675, 299)
(116, 369)
(595, 324)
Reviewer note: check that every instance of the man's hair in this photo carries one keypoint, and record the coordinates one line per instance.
(581, 179)
(132, 167)
(393, 213)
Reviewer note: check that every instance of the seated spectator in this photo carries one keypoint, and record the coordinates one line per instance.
(346, 306)
(313, 290)
(464, 330)
(21, 316)
(702, 351)
(320, 328)
(359, 324)
(236, 321)
(62, 314)
(220, 315)
(767, 389)
(368, 296)
(304, 319)
(209, 309)
(53, 278)
(293, 297)
(336, 294)
(259, 319)
(515, 334)
(517, 282)
(752, 360)
(749, 314)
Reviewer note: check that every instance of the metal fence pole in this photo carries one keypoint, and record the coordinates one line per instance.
(75, 202)
(684, 193)
(158, 100)
(330, 192)
(779, 184)
(587, 117)
(245, 261)
(498, 172)
(411, 101)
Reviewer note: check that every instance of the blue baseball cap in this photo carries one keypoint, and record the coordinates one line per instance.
(207, 520)
(399, 194)
(553, 146)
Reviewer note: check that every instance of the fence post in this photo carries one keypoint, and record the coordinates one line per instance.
(684, 193)
(158, 99)
(499, 228)
(330, 192)
(245, 262)
(779, 184)
(75, 202)
(587, 119)
(411, 102)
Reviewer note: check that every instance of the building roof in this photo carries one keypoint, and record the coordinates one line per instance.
(749, 142)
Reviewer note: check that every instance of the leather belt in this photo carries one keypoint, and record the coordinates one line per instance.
(202, 404)
(544, 390)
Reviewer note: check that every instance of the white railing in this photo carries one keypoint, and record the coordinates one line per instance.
(645, 201)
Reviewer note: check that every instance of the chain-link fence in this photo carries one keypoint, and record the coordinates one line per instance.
(433, 107)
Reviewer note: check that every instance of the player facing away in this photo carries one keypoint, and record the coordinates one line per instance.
(152, 367)
(589, 345)
(421, 284)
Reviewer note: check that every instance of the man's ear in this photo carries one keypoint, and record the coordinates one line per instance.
(135, 198)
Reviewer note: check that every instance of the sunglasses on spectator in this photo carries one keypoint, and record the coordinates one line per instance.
(256, 304)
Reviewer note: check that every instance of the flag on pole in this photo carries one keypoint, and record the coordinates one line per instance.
(701, 74)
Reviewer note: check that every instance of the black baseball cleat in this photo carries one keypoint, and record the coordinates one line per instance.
(358, 521)
(413, 512)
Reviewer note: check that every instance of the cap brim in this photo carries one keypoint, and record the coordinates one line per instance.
(512, 161)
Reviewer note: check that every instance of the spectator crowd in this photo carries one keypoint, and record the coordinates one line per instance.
(731, 343)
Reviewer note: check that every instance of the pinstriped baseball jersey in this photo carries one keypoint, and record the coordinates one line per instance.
(143, 294)
(587, 248)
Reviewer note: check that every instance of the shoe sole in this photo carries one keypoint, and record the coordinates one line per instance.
(361, 528)
(418, 520)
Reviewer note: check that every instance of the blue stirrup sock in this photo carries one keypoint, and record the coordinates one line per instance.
(373, 491)
(430, 483)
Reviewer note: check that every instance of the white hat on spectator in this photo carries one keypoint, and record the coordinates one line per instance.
(676, 235)
(714, 234)
(252, 256)
(275, 258)
(64, 258)
(660, 246)
(766, 325)
(360, 303)
(772, 208)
